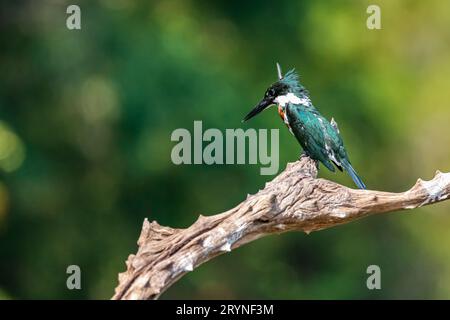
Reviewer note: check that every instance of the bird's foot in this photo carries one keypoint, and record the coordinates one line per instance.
(303, 155)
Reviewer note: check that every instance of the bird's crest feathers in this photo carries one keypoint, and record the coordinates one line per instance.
(291, 79)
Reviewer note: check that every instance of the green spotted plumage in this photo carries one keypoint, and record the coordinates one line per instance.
(313, 132)
(319, 138)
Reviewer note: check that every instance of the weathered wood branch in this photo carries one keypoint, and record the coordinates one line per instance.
(294, 200)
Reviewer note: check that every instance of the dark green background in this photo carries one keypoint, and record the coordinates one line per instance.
(86, 118)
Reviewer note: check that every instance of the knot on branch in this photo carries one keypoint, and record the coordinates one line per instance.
(154, 232)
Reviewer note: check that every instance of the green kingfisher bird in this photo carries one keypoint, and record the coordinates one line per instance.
(319, 138)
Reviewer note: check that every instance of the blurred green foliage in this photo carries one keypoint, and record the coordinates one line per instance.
(86, 118)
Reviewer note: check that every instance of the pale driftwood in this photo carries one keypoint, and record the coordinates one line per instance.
(294, 200)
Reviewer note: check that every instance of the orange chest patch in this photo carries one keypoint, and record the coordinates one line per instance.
(281, 113)
(284, 118)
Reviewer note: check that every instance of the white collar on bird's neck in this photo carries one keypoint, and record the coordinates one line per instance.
(291, 98)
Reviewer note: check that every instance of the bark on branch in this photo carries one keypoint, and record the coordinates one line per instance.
(294, 200)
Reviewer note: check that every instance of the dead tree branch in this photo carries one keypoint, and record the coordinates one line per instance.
(294, 200)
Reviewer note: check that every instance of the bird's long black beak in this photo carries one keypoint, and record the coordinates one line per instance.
(264, 104)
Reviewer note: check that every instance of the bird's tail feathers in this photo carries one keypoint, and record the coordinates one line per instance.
(348, 167)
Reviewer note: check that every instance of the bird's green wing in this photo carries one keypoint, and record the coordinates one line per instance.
(316, 135)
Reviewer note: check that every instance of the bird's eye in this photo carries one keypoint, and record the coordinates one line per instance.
(270, 92)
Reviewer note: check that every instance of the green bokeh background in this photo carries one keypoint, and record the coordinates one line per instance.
(86, 118)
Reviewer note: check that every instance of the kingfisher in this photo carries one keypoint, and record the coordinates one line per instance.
(319, 138)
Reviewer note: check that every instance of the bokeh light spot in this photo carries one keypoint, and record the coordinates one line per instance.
(12, 151)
